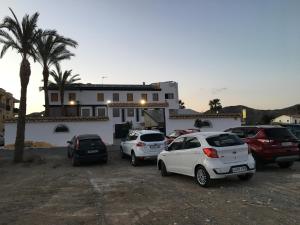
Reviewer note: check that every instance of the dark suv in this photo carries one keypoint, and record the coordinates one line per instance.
(86, 148)
(270, 144)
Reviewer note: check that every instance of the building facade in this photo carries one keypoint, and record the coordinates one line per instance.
(291, 119)
(121, 103)
(7, 110)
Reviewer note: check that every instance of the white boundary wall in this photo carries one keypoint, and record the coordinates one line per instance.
(44, 131)
(217, 124)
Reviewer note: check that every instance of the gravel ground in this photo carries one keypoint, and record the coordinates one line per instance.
(46, 189)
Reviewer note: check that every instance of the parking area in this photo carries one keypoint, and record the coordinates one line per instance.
(46, 189)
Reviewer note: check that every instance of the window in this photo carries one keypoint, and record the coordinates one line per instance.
(130, 112)
(191, 142)
(100, 97)
(279, 134)
(131, 137)
(116, 112)
(224, 140)
(155, 97)
(101, 111)
(152, 137)
(144, 96)
(241, 133)
(54, 97)
(115, 97)
(86, 112)
(169, 96)
(177, 144)
(60, 128)
(129, 97)
(72, 96)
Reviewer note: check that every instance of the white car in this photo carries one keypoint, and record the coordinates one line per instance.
(207, 156)
(143, 145)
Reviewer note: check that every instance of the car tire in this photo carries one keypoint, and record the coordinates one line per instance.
(245, 177)
(285, 165)
(75, 162)
(133, 159)
(202, 177)
(122, 153)
(163, 169)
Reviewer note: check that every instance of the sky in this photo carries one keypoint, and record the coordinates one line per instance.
(240, 51)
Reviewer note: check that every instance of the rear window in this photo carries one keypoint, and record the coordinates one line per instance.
(152, 137)
(224, 140)
(279, 134)
(88, 143)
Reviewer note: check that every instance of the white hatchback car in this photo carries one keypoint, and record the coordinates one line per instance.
(207, 156)
(143, 145)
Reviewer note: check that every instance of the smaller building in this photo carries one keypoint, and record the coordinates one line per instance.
(7, 110)
(291, 119)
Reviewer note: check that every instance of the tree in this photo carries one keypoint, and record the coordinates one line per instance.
(50, 50)
(181, 104)
(21, 37)
(61, 79)
(215, 105)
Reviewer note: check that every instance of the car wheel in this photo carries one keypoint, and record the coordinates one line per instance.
(285, 165)
(75, 161)
(259, 165)
(246, 176)
(122, 153)
(202, 177)
(163, 169)
(134, 160)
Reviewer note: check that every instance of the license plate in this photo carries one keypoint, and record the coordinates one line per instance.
(239, 169)
(154, 146)
(286, 144)
(92, 151)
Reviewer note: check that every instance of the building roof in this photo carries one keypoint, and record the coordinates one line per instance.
(57, 119)
(108, 87)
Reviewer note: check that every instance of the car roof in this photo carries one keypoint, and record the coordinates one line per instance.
(88, 136)
(258, 126)
(145, 131)
(205, 134)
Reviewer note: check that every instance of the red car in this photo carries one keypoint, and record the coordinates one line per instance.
(176, 133)
(270, 144)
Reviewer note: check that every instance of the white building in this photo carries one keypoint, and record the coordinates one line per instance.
(121, 103)
(294, 119)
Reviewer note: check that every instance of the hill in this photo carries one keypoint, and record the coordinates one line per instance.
(259, 116)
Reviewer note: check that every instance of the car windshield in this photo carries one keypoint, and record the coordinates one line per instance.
(88, 143)
(152, 137)
(224, 140)
(279, 134)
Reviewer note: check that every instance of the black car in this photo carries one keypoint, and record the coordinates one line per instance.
(87, 148)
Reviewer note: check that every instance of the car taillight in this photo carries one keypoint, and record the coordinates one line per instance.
(77, 145)
(140, 144)
(210, 152)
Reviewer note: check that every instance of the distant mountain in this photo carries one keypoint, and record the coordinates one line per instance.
(258, 116)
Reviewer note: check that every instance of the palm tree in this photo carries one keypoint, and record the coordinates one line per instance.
(21, 37)
(215, 105)
(50, 50)
(61, 80)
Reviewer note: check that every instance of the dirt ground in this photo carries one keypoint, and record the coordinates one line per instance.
(47, 190)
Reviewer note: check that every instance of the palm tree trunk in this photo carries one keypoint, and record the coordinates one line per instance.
(62, 94)
(46, 79)
(20, 136)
